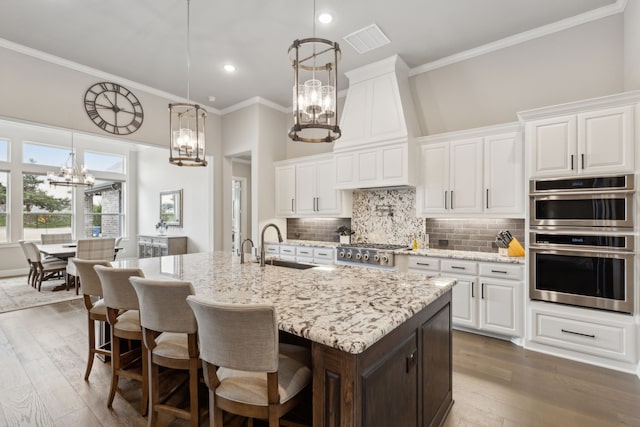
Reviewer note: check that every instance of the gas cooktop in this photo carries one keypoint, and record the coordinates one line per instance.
(368, 254)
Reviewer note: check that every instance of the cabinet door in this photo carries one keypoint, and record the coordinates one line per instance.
(434, 182)
(464, 303)
(367, 167)
(503, 175)
(553, 146)
(605, 140)
(390, 388)
(285, 190)
(465, 176)
(305, 188)
(394, 164)
(345, 170)
(500, 306)
(328, 198)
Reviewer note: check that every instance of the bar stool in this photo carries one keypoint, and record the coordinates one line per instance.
(169, 329)
(124, 317)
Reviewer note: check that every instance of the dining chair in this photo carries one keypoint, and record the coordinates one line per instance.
(48, 239)
(32, 265)
(246, 372)
(123, 315)
(44, 269)
(169, 329)
(94, 303)
(95, 249)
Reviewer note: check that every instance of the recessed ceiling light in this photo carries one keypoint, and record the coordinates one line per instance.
(212, 98)
(229, 68)
(325, 18)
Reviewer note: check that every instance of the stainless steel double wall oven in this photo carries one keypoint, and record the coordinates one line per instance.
(582, 244)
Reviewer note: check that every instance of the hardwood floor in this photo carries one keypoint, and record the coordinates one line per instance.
(495, 383)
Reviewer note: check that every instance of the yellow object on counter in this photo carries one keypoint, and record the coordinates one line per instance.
(415, 244)
(515, 248)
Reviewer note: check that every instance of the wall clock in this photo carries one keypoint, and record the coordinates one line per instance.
(113, 108)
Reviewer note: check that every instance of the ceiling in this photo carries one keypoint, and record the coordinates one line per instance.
(145, 41)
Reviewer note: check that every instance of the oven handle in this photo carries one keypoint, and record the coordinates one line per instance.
(570, 250)
(596, 194)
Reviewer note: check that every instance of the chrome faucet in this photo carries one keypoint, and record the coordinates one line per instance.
(242, 249)
(262, 240)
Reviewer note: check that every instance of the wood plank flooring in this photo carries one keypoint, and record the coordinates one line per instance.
(495, 383)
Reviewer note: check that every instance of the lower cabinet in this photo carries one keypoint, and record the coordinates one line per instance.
(302, 253)
(488, 296)
(404, 379)
(155, 246)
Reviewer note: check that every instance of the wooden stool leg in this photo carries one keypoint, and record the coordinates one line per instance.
(115, 368)
(193, 392)
(154, 392)
(92, 345)
(145, 381)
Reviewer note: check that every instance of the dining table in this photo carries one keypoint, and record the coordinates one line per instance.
(62, 250)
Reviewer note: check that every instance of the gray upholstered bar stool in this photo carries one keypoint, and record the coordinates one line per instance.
(93, 302)
(246, 373)
(170, 336)
(123, 315)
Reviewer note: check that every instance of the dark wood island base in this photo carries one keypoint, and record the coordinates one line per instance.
(404, 379)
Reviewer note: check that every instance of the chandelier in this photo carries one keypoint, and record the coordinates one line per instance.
(186, 124)
(315, 106)
(70, 174)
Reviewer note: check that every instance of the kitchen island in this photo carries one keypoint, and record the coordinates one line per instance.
(380, 340)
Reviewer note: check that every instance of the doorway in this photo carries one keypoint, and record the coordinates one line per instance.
(238, 213)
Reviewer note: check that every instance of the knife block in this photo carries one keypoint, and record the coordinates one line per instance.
(515, 248)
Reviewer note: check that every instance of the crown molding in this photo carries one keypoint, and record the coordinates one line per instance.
(564, 24)
(503, 128)
(43, 56)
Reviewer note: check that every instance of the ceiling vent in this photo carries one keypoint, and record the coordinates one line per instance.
(366, 39)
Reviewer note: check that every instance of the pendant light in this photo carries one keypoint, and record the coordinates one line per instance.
(315, 106)
(187, 123)
(70, 174)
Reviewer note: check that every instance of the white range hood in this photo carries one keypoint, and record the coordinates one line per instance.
(379, 126)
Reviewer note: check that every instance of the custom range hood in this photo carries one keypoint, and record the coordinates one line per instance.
(379, 126)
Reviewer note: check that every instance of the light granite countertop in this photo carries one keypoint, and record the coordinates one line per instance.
(468, 255)
(348, 308)
(316, 243)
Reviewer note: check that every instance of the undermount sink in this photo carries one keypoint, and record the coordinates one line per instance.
(288, 264)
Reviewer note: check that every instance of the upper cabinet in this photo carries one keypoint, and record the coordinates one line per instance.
(472, 172)
(305, 187)
(596, 137)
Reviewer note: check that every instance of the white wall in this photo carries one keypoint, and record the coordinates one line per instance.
(632, 46)
(579, 63)
(155, 174)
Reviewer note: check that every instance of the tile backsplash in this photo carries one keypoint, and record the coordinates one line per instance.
(389, 216)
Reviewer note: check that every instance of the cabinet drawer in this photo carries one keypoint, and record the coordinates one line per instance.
(424, 263)
(459, 267)
(287, 250)
(614, 341)
(501, 271)
(324, 254)
(272, 249)
(304, 251)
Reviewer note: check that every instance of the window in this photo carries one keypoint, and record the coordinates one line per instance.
(103, 209)
(4, 177)
(4, 150)
(48, 155)
(45, 209)
(104, 162)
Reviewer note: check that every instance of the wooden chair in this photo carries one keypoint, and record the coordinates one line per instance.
(93, 302)
(48, 239)
(44, 270)
(124, 317)
(169, 329)
(95, 249)
(245, 371)
(32, 266)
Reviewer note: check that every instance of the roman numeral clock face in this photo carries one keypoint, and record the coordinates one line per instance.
(113, 108)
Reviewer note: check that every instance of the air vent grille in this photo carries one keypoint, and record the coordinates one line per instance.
(367, 39)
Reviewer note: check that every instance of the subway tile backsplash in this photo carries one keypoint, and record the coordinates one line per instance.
(389, 216)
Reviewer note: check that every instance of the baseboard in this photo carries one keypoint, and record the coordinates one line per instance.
(14, 272)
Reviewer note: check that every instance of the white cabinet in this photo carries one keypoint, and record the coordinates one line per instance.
(487, 296)
(383, 166)
(285, 190)
(302, 253)
(593, 142)
(306, 187)
(478, 171)
(452, 177)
